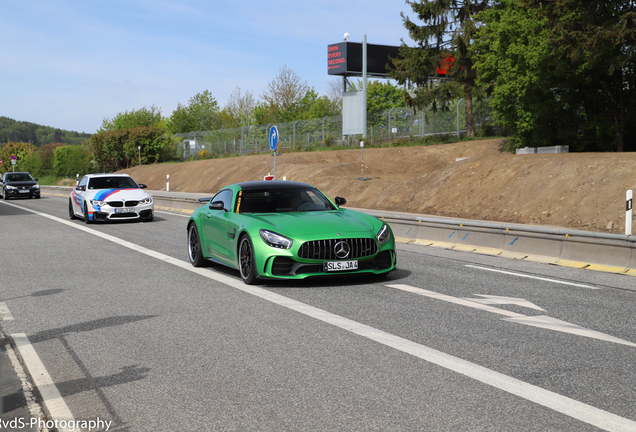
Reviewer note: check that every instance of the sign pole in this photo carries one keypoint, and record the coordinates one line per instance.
(628, 214)
(362, 163)
(273, 144)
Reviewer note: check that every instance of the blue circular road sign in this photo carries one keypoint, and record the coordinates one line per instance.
(273, 138)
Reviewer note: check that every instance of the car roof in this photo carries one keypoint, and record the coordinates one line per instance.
(272, 184)
(106, 175)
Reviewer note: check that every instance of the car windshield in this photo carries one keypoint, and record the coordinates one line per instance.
(111, 183)
(19, 177)
(282, 200)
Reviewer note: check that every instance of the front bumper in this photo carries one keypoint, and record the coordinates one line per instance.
(107, 213)
(22, 193)
(287, 267)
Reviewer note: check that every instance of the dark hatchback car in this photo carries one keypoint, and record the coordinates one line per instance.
(19, 184)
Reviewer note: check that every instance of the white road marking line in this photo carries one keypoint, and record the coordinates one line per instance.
(498, 300)
(51, 397)
(5, 313)
(542, 321)
(27, 388)
(567, 406)
(532, 277)
(456, 300)
(550, 323)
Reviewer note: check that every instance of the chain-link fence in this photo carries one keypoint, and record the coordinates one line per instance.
(302, 134)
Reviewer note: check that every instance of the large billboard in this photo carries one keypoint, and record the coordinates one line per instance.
(345, 59)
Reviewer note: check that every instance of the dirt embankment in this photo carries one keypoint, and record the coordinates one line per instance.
(573, 190)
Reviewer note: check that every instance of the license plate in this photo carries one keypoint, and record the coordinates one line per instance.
(24, 191)
(329, 266)
(125, 210)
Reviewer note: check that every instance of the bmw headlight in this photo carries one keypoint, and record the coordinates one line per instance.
(146, 201)
(384, 234)
(97, 203)
(275, 240)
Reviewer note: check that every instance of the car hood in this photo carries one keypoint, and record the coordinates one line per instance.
(320, 222)
(21, 183)
(116, 194)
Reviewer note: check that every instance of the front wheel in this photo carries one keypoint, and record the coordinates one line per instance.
(86, 218)
(194, 247)
(247, 264)
(71, 212)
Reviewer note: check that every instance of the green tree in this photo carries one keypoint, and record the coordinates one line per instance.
(598, 38)
(143, 117)
(71, 160)
(22, 151)
(239, 110)
(47, 157)
(448, 30)
(200, 114)
(381, 97)
(560, 72)
(282, 98)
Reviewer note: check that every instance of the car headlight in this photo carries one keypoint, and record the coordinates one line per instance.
(10, 187)
(384, 234)
(36, 186)
(146, 201)
(275, 240)
(97, 203)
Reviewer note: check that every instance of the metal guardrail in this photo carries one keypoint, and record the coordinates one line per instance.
(614, 253)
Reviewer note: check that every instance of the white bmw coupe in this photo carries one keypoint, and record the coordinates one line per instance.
(103, 197)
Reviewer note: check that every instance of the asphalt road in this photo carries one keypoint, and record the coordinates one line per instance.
(130, 333)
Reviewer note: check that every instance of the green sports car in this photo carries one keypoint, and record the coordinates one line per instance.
(287, 230)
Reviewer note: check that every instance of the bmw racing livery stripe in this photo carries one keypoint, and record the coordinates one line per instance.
(102, 195)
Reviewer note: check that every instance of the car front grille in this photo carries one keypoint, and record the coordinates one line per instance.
(326, 249)
(122, 204)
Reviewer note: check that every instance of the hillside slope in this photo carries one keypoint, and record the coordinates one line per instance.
(573, 190)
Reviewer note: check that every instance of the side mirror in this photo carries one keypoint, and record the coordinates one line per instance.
(216, 205)
(142, 186)
(340, 201)
(81, 188)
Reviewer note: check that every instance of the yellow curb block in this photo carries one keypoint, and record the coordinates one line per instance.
(513, 255)
(464, 248)
(606, 268)
(574, 264)
(488, 251)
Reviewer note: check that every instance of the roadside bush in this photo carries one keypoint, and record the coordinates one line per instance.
(71, 160)
(120, 149)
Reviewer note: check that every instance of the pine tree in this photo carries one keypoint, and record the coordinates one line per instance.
(445, 39)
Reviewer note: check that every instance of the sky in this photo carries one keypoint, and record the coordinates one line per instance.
(70, 64)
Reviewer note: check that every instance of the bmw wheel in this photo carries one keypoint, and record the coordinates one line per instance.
(194, 247)
(86, 218)
(71, 212)
(246, 261)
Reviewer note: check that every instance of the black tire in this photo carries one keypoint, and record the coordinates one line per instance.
(86, 218)
(4, 195)
(247, 265)
(195, 255)
(71, 212)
